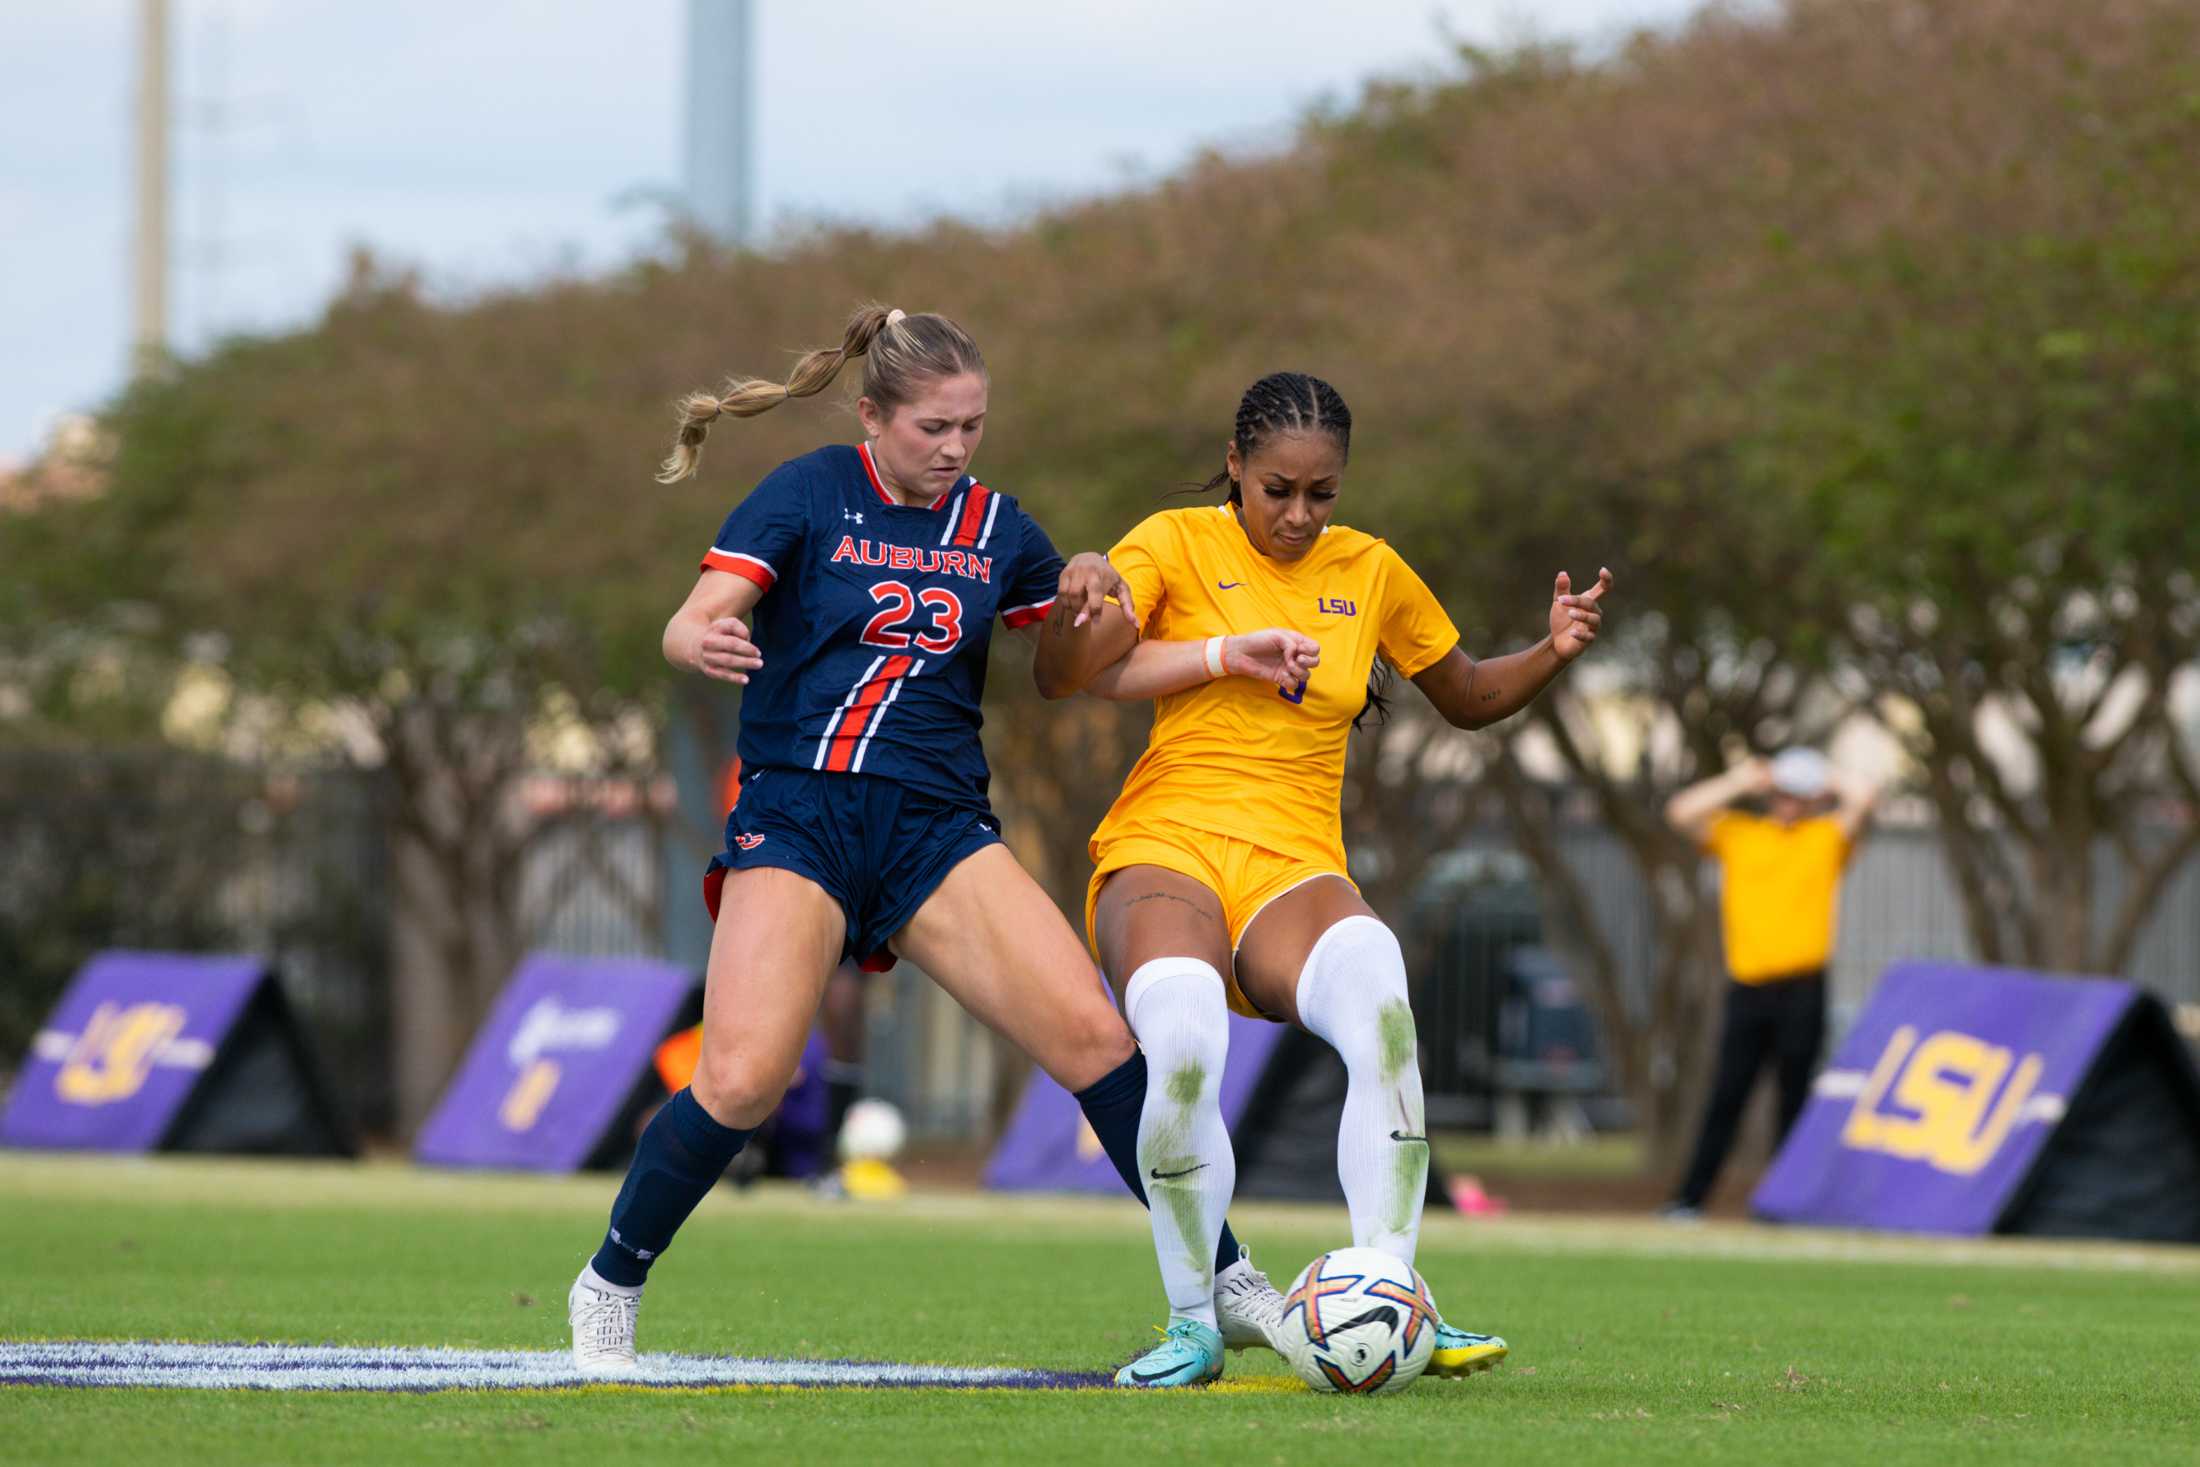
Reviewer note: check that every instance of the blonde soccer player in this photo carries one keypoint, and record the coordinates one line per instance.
(1219, 878)
(853, 594)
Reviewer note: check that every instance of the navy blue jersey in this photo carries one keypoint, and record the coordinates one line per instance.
(876, 619)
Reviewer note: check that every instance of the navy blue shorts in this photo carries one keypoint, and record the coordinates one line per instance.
(879, 847)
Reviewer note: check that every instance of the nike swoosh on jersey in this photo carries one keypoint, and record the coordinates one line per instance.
(1402, 1136)
(1228, 585)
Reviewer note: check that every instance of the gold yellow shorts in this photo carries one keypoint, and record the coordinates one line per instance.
(1245, 877)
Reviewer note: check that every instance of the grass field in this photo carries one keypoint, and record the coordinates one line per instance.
(1632, 1342)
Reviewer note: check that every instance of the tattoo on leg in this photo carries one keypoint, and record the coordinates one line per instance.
(1170, 896)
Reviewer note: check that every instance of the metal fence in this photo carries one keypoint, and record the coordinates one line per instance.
(168, 850)
(1482, 937)
(1897, 901)
(158, 850)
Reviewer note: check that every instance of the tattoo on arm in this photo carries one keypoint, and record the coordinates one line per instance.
(1491, 696)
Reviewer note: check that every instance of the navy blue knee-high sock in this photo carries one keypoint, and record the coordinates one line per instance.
(682, 1154)
(1111, 1105)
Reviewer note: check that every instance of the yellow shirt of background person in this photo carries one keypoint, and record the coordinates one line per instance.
(1778, 883)
(1248, 759)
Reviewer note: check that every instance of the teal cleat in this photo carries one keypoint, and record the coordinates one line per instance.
(1190, 1354)
(1459, 1352)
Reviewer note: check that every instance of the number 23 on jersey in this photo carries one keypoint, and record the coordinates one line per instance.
(940, 617)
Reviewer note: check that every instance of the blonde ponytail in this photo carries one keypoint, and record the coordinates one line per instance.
(745, 397)
(900, 354)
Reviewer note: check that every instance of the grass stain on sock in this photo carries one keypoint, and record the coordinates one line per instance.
(1408, 1183)
(1189, 1078)
(1181, 1196)
(1394, 1022)
(1408, 1164)
(1171, 1179)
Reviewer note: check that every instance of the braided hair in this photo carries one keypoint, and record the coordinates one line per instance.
(1299, 402)
(1284, 402)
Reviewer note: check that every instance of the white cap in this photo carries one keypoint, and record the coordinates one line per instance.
(1801, 773)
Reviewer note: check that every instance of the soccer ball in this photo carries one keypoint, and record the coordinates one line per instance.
(873, 1131)
(1358, 1321)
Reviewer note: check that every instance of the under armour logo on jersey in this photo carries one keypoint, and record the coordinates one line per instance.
(850, 514)
(748, 842)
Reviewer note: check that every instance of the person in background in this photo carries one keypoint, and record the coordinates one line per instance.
(1780, 873)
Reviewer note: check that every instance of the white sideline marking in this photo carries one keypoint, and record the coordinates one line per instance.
(398, 1368)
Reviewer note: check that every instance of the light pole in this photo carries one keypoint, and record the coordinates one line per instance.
(720, 118)
(149, 248)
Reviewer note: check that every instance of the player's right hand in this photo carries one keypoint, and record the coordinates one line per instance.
(1274, 655)
(1087, 583)
(726, 652)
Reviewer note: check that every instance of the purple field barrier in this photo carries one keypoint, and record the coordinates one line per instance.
(569, 1040)
(1941, 1098)
(124, 1049)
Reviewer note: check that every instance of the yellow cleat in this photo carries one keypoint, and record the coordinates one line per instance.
(1461, 1353)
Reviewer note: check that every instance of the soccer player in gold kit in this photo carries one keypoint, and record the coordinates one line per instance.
(1220, 880)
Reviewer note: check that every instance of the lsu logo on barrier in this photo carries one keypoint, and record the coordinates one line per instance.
(1949, 1100)
(112, 1058)
(549, 1025)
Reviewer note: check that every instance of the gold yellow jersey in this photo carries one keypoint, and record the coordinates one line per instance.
(1245, 758)
(1777, 892)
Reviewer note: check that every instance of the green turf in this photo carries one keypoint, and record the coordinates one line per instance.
(1632, 1342)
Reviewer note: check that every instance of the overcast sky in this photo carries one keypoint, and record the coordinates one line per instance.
(497, 139)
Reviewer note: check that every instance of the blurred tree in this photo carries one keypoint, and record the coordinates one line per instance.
(1857, 337)
(1994, 431)
(356, 545)
(2012, 502)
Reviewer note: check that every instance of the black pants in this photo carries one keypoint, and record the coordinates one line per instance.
(1785, 1021)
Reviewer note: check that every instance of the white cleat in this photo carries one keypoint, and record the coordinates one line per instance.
(603, 1328)
(1247, 1306)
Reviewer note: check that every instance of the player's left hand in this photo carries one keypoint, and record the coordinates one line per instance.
(1575, 619)
(1087, 583)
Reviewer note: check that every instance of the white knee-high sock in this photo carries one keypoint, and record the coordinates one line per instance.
(1177, 1010)
(1352, 993)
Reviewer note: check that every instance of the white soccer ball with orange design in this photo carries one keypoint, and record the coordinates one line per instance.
(1358, 1322)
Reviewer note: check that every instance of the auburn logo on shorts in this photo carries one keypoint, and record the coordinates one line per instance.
(748, 842)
